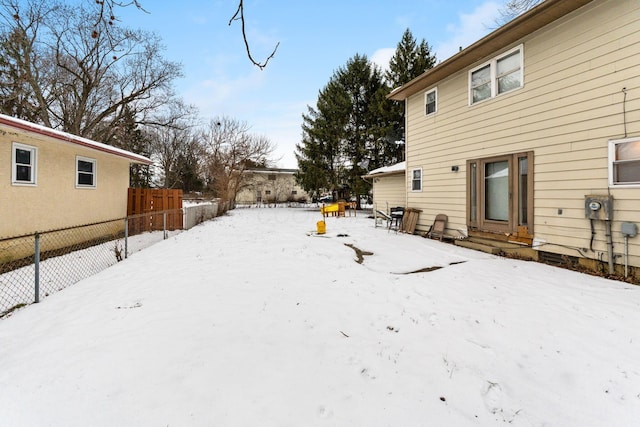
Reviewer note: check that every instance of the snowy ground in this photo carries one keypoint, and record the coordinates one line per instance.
(56, 273)
(251, 320)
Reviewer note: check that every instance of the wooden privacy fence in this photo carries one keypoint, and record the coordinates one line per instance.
(148, 207)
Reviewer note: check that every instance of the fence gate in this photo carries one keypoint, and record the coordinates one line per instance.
(147, 206)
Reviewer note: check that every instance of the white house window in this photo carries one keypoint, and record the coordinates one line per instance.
(624, 162)
(481, 84)
(23, 164)
(430, 101)
(501, 74)
(416, 180)
(85, 172)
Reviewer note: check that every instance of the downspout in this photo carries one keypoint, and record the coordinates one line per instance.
(406, 151)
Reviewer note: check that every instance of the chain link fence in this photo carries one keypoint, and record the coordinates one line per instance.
(36, 265)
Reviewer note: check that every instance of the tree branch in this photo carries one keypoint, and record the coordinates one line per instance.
(239, 16)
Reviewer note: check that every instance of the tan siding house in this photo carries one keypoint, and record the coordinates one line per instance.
(270, 185)
(388, 187)
(528, 123)
(52, 179)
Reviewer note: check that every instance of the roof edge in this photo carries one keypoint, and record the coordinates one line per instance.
(534, 19)
(74, 139)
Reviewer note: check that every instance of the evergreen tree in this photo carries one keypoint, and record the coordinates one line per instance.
(409, 61)
(320, 161)
(341, 137)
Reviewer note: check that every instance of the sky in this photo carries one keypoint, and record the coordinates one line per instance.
(252, 319)
(315, 39)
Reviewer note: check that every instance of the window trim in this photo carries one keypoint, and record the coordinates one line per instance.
(611, 161)
(419, 190)
(435, 91)
(493, 82)
(94, 172)
(34, 165)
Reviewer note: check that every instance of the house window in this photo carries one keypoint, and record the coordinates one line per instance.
(23, 164)
(416, 180)
(481, 84)
(271, 177)
(624, 162)
(85, 172)
(430, 101)
(267, 192)
(500, 193)
(501, 74)
(294, 192)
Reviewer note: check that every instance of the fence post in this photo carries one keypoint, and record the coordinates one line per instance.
(126, 237)
(36, 263)
(164, 225)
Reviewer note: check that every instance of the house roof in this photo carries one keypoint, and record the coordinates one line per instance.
(271, 170)
(398, 168)
(525, 24)
(73, 139)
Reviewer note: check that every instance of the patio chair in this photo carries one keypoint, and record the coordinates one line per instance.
(436, 231)
(396, 215)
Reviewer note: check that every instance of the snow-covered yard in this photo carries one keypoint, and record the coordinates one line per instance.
(252, 320)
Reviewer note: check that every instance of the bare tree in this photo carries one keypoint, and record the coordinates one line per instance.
(239, 16)
(106, 12)
(513, 9)
(230, 150)
(178, 152)
(67, 76)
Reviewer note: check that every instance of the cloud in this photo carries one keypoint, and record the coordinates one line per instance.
(470, 28)
(381, 57)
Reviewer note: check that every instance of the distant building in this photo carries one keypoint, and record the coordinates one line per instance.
(270, 185)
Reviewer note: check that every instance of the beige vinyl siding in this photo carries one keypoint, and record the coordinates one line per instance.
(55, 202)
(390, 191)
(571, 105)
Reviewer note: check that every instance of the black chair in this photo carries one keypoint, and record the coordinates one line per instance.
(396, 215)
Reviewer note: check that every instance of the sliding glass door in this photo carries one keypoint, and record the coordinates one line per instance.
(500, 193)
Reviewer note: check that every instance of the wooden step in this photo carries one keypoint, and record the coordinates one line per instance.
(496, 247)
(470, 244)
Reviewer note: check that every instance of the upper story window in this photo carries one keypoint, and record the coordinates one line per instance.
(416, 179)
(85, 172)
(430, 101)
(501, 74)
(23, 164)
(624, 162)
(271, 177)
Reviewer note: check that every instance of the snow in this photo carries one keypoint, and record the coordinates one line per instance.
(253, 319)
(398, 167)
(57, 273)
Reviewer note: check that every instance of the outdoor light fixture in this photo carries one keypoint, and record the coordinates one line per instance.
(454, 168)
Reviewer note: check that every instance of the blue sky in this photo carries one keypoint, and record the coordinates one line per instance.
(316, 38)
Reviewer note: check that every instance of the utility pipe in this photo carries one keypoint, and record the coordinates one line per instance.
(610, 246)
(626, 256)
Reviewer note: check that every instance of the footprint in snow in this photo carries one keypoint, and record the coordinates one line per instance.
(433, 319)
(492, 396)
(324, 412)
